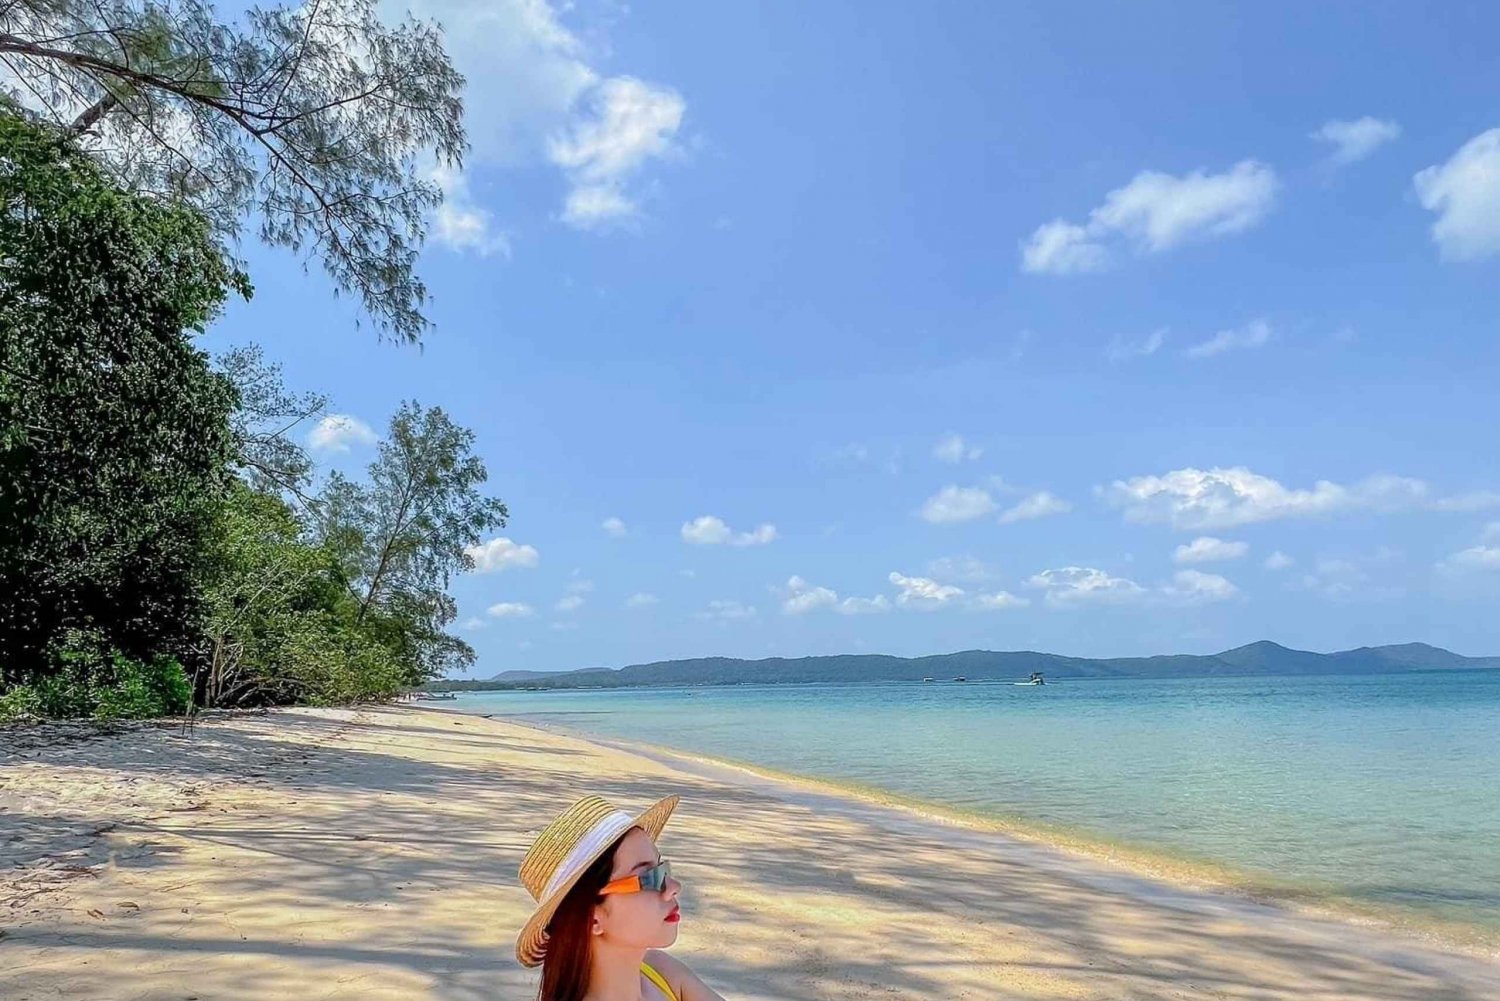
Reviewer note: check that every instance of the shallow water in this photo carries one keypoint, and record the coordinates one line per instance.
(1383, 790)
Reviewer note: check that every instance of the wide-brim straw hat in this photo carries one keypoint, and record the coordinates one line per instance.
(563, 852)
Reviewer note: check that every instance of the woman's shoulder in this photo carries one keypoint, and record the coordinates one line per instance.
(667, 965)
(685, 984)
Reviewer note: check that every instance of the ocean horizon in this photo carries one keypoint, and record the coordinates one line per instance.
(1371, 791)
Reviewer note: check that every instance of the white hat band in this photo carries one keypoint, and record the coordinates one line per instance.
(588, 849)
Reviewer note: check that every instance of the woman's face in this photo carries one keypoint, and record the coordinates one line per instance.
(644, 920)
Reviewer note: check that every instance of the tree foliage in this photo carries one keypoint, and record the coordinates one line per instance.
(315, 120)
(114, 434)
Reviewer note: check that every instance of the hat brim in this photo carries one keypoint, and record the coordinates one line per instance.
(531, 944)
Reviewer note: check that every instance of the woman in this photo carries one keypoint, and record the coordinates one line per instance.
(606, 905)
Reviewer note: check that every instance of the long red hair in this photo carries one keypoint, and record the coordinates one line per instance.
(567, 965)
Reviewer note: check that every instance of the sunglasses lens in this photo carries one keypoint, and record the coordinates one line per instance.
(655, 878)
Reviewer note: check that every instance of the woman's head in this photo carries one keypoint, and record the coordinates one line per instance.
(625, 901)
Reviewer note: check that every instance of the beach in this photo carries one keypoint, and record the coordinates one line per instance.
(371, 853)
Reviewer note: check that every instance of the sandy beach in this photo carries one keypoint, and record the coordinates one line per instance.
(371, 854)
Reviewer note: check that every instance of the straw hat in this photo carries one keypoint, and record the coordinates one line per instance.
(563, 852)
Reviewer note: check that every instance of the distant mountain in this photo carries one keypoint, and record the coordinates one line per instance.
(1262, 658)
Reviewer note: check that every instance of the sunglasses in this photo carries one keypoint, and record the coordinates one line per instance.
(653, 880)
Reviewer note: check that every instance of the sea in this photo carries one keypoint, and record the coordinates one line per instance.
(1377, 792)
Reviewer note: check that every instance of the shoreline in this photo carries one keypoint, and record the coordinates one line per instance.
(1179, 871)
(371, 854)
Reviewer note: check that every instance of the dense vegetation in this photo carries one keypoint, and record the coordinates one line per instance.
(162, 541)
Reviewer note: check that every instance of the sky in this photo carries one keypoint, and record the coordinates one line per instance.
(792, 329)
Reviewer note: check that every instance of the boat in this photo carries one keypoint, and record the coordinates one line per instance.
(960, 678)
(926, 679)
(1035, 679)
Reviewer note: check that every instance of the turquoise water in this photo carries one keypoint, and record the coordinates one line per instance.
(1381, 790)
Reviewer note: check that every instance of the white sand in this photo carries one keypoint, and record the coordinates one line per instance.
(371, 854)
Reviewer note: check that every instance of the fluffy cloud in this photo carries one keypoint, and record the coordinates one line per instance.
(614, 528)
(461, 224)
(1194, 587)
(627, 123)
(999, 600)
(339, 433)
(1121, 349)
(1222, 498)
(511, 610)
(1153, 213)
(472, 624)
(800, 597)
(954, 504)
(1278, 561)
(1075, 586)
(1465, 194)
(711, 531)
(1085, 585)
(641, 599)
(727, 611)
(532, 94)
(923, 592)
(1039, 505)
(1357, 139)
(952, 448)
(501, 554)
(1207, 549)
(1255, 334)
(569, 603)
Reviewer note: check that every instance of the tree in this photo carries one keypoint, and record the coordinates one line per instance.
(315, 120)
(114, 441)
(265, 453)
(401, 536)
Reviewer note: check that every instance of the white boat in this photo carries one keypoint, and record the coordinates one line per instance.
(1035, 679)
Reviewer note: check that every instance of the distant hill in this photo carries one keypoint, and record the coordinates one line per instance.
(1262, 658)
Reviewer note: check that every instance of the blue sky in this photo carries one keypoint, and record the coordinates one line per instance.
(1096, 329)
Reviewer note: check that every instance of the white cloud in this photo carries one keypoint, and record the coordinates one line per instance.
(1121, 349)
(1060, 247)
(629, 122)
(711, 531)
(472, 624)
(569, 603)
(641, 599)
(1154, 212)
(923, 592)
(1337, 579)
(1207, 549)
(1278, 561)
(999, 600)
(1357, 139)
(1476, 500)
(1085, 585)
(614, 528)
(952, 448)
(460, 223)
(1465, 194)
(1476, 558)
(964, 568)
(501, 554)
(1255, 334)
(339, 433)
(580, 585)
(1194, 587)
(1039, 505)
(954, 504)
(1222, 498)
(727, 611)
(511, 610)
(532, 94)
(801, 597)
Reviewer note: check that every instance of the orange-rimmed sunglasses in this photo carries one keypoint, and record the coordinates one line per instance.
(652, 880)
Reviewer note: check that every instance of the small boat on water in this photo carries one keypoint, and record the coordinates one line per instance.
(926, 679)
(1035, 679)
(960, 678)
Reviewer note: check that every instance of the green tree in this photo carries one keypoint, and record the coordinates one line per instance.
(267, 454)
(401, 536)
(114, 433)
(313, 119)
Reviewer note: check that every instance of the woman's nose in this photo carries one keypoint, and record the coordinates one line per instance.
(674, 887)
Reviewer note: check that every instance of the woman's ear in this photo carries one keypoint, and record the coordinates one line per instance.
(596, 927)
